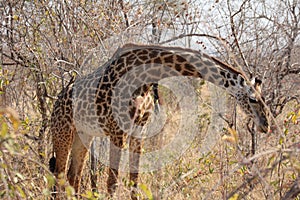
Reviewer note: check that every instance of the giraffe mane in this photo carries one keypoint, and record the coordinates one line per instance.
(131, 46)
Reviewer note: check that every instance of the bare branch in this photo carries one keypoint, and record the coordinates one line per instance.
(196, 35)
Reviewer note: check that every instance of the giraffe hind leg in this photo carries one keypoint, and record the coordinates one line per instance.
(78, 159)
(62, 142)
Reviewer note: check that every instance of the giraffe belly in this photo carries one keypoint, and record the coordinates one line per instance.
(91, 128)
(86, 121)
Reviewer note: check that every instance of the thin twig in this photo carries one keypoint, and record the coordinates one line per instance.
(192, 35)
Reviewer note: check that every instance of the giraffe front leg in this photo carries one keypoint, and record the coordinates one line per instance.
(113, 171)
(135, 147)
(78, 158)
(116, 145)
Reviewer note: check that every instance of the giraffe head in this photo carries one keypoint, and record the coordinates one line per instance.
(252, 104)
(248, 94)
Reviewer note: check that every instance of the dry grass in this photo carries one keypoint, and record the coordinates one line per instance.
(224, 172)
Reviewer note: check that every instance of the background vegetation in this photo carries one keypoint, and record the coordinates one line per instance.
(44, 43)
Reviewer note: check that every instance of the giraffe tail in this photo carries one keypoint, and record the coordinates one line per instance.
(52, 163)
(156, 98)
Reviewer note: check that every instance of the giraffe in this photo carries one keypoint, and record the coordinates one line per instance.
(106, 102)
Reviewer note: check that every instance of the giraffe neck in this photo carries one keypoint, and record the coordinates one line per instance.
(162, 62)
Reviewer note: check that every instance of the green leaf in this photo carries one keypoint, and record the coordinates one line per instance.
(4, 130)
(21, 191)
(147, 191)
(294, 119)
(281, 140)
(50, 180)
(70, 191)
(234, 197)
(46, 192)
(88, 195)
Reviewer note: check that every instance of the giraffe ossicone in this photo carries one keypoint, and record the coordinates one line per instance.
(116, 101)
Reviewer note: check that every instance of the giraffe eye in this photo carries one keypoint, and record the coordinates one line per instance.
(252, 100)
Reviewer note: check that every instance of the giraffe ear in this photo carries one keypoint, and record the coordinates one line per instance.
(256, 83)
